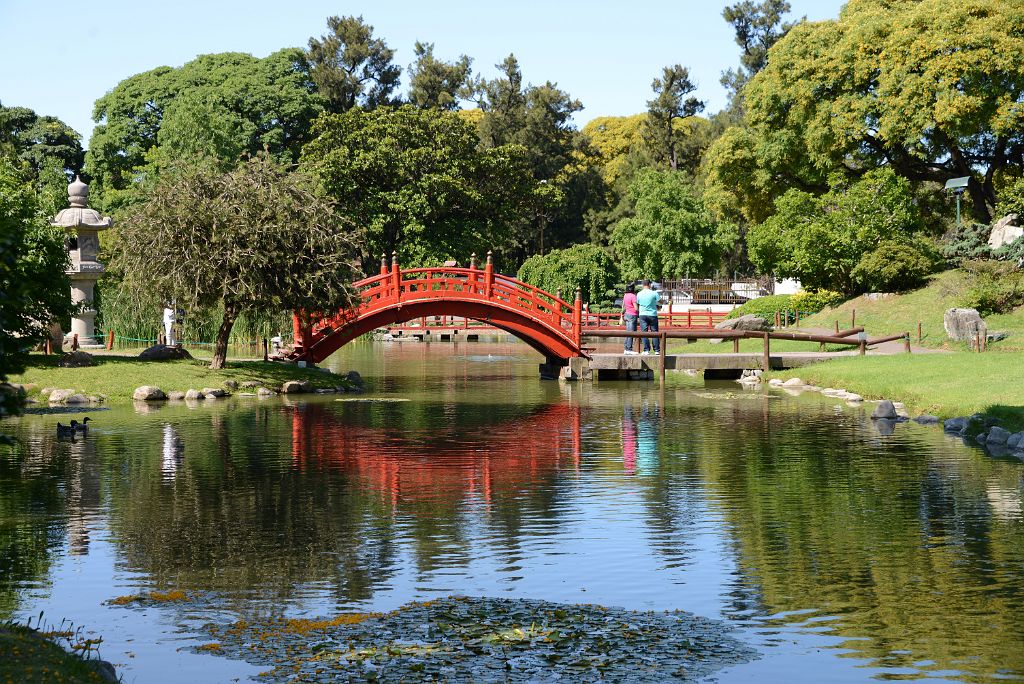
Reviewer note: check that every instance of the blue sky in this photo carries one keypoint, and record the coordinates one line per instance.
(58, 57)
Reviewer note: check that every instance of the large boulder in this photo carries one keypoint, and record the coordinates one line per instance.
(1004, 232)
(963, 324)
(66, 396)
(296, 387)
(213, 392)
(76, 359)
(161, 352)
(148, 393)
(194, 395)
(885, 410)
(746, 322)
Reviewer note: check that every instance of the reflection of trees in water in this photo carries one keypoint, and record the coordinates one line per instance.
(895, 537)
(316, 492)
(48, 489)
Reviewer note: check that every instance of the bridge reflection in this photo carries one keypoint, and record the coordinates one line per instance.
(451, 465)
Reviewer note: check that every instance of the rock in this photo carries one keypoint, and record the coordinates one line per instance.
(963, 324)
(926, 419)
(901, 410)
(878, 296)
(148, 393)
(250, 384)
(957, 425)
(996, 335)
(749, 380)
(176, 395)
(884, 411)
(77, 398)
(1014, 440)
(230, 384)
(775, 382)
(264, 392)
(832, 392)
(997, 435)
(1004, 232)
(793, 382)
(981, 438)
(354, 377)
(325, 390)
(855, 398)
(747, 322)
(194, 395)
(58, 396)
(161, 352)
(296, 387)
(46, 391)
(76, 359)
(213, 392)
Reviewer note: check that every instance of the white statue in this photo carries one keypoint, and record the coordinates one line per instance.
(169, 326)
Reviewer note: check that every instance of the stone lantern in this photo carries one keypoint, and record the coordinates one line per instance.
(83, 225)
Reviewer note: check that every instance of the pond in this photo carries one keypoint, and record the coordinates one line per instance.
(834, 552)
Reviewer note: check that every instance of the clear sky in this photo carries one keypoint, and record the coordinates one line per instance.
(58, 57)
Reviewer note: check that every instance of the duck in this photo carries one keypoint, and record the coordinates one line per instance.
(82, 427)
(66, 430)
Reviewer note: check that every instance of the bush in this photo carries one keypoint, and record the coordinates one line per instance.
(994, 287)
(894, 266)
(765, 307)
(1013, 252)
(969, 241)
(585, 266)
(813, 302)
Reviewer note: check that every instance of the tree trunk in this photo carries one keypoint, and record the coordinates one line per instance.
(220, 347)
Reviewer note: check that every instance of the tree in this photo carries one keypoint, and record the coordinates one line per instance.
(255, 238)
(219, 106)
(34, 287)
(584, 266)
(671, 234)
(419, 183)
(670, 104)
(39, 140)
(930, 89)
(758, 26)
(437, 84)
(350, 67)
(821, 240)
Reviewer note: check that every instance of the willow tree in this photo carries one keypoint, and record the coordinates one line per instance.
(255, 238)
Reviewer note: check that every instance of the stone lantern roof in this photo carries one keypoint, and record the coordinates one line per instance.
(79, 215)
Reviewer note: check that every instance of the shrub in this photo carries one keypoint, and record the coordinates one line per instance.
(813, 302)
(894, 266)
(969, 241)
(585, 266)
(765, 307)
(1013, 252)
(994, 287)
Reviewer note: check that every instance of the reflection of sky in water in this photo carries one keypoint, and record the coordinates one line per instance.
(841, 553)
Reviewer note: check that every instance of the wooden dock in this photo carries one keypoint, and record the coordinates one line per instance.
(725, 365)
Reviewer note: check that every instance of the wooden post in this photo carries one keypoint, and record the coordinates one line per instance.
(661, 356)
(778, 319)
(266, 350)
(906, 343)
(735, 345)
(396, 276)
(977, 339)
(488, 275)
(74, 342)
(853, 318)
(383, 263)
(766, 361)
(577, 314)
(110, 339)
(863, 347)
(797, 312)
(837, 327)
(919, 332)
(48, 349)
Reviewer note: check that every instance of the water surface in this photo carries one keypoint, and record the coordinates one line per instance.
(839, 553)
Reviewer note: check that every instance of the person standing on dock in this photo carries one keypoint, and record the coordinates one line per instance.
(629, 316)
(647, 304)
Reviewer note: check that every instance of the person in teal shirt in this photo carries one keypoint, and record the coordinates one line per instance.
(647, 304)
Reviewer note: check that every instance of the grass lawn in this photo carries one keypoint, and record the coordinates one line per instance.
(946, 385)
(29, 656)
(116, 376)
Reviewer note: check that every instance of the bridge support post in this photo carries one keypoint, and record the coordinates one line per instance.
(575, 368)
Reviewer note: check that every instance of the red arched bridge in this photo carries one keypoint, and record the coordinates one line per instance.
(547, 323)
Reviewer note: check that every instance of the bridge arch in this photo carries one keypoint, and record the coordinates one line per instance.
(543, 320)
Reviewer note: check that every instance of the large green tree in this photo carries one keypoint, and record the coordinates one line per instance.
(672, 102)
(420, 184)
(34, 287)
(36, 141)
(351, 67)
(253, 239)
(758, 26)
(671, 235)
(929, 88)
(830, 241)
(217, 106)
(436, 83)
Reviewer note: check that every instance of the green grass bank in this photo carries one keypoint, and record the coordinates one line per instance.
(33, 657)
(115, 377)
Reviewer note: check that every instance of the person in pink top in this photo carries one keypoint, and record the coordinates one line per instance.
(630, 315)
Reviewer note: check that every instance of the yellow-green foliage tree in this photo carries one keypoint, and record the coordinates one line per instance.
(929, 88)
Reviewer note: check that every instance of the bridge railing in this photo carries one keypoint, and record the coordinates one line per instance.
(394, 285)
(688, 320)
